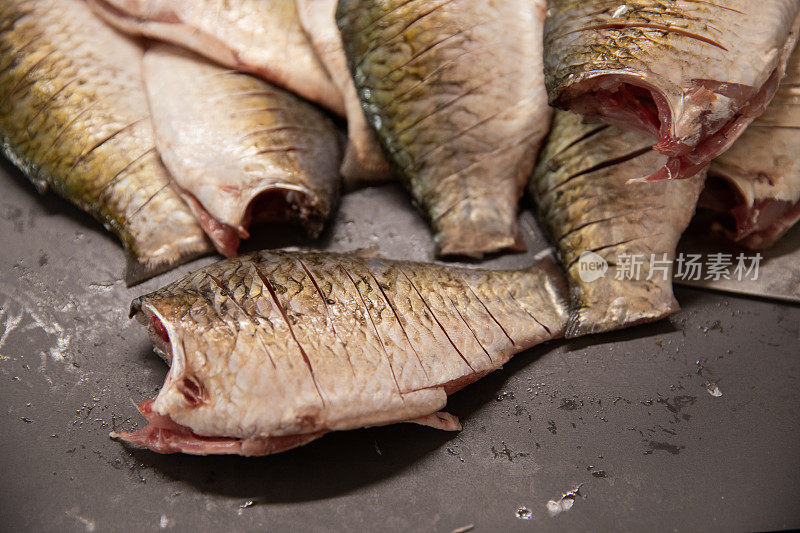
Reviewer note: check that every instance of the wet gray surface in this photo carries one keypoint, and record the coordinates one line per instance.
(628, 418)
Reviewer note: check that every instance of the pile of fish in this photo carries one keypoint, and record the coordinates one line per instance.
(185, 126)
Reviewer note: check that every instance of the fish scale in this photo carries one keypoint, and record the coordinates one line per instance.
(74, 118)
(458, 104)
(239, 148)
(364, 160)
(693, 74)
(585, 203)
(261, 37)
(320, 342)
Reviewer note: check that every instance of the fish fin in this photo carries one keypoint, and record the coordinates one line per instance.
(588, 320)
(547, 261)
(547, 266)
(29, 170)
(141, 269)
(440, 420)
(449, 246)
(359, 171)
(367, 252)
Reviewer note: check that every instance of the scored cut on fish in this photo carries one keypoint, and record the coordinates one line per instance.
(271, 350)
(261, 37)
(585, 204)
(755, 185)
(364, 161)
(74, 118)
(693, 74)
(455, 91)
(240, 150)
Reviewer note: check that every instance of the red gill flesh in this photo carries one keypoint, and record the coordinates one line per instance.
(629, 105)
(755, 226)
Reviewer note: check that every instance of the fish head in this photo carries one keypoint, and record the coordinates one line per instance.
(183, 336)
(224, 340)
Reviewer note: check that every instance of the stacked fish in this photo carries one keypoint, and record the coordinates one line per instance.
(185, 125)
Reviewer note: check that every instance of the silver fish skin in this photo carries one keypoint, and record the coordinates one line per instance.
(364, 160)
(240, 149)
(74, 118)
(271, 350)
(455, 91)
(586, 204)
(756, 184)
(694, 73)
(261, 37)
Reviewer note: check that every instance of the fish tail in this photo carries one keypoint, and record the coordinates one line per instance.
(546, 265)
(574, 325)
(588, 321)
(547, 262)
(142, 268)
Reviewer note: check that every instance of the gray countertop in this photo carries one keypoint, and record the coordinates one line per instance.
(627, 418)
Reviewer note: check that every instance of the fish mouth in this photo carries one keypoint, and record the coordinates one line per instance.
(154, 321)
(693, 125)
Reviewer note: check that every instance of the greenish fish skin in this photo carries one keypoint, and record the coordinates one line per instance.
(263, 37)
(585, 204)
(762, 169)
(74, 118)
(241, 150)
(694, 73)
(364, 160)
(270, 350)
(455, 91)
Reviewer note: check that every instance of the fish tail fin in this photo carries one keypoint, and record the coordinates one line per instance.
(547, 262)
(547, 273)
(143, 267)
(588, 320)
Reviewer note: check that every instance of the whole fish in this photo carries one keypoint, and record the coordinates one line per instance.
(74, 117)
(756, 184)
(587, 206)
(364, 161)
(240, 149)
(455, 90)
(257, 36)
(269, 351)
(693, 73)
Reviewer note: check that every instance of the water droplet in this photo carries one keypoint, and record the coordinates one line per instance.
(523, 513)
(713, 389)
(505, 396)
